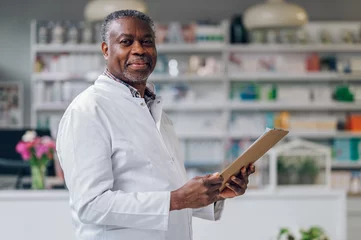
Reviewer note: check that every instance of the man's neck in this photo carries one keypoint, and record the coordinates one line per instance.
(139, 86)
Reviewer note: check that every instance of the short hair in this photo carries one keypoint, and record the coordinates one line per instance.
(123, 14)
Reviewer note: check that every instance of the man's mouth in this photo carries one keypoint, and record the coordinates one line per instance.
(139, 64)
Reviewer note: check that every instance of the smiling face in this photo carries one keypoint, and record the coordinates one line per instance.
(130, 51)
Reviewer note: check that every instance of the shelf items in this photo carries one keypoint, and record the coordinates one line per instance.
(222, 81)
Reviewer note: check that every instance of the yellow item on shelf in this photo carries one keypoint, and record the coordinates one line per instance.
(283, 120)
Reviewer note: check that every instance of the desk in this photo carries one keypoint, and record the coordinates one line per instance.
(44, 215)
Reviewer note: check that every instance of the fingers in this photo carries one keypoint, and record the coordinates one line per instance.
(236, 189)
(244, 173)
(251, 169)
(240, 182)
(213, 179)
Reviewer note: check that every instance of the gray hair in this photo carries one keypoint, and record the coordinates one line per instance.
(123, 14)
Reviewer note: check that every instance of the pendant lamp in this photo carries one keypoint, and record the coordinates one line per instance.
(97, 10)
(275, 14)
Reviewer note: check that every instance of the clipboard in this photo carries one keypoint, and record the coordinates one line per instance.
(264, 143)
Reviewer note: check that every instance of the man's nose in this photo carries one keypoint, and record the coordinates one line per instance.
(138, 48)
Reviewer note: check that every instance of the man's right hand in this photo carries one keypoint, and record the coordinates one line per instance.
(198, 192)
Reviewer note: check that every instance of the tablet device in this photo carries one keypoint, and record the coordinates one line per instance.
(264, 143)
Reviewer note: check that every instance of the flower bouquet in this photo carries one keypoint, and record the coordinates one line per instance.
(38, 151)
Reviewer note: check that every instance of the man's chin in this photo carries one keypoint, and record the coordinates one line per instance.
(137, 77)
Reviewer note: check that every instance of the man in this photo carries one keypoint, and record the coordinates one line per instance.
(119, 152)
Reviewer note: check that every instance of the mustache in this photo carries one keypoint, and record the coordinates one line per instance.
(140, 58)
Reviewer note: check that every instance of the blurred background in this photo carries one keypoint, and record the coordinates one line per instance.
(227, 70)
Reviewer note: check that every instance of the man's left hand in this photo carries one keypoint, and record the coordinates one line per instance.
(238, 184)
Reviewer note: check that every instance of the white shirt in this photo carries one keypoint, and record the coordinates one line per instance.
(120, 164)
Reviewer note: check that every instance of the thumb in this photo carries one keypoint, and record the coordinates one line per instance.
(215, 177)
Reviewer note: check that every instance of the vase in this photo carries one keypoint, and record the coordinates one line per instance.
(38, 174)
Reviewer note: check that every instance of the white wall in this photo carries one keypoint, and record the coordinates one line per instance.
(15, 16)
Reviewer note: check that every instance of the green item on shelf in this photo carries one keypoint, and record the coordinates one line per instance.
(355, 144)
(272, 95)
(343, 94)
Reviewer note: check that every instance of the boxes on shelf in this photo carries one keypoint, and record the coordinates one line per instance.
(175, 32)
(354, 122)
(195, 65)
(197, 123)
(202, 156)
(69, 63)
(347, 149)
(11, 105)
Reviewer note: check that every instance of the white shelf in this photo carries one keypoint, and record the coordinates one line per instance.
(174, 107)
(69, 48)
(208, 47)
(294, 48)
(236, 77)
(292, 77)
(62, 76)
(51, 107)
(346, 165)
(254, 106)
(196, 47)
(202, 106)
(185, 78)
(201, 135)
(202, 165)
(196, 106)
(308, 135)
(161, 48)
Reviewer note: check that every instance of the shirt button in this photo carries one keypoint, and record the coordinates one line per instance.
(142, 104)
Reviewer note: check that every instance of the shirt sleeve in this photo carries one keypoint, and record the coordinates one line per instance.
(84, 150)
(212, 212)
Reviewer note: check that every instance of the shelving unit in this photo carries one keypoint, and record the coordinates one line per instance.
(225, 78)
(294, 48)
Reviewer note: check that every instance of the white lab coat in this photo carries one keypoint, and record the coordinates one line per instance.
(120, 163)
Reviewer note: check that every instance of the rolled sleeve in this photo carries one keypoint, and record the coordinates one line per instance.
(212, 212)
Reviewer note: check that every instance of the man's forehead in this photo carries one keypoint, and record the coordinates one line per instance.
(130, 26)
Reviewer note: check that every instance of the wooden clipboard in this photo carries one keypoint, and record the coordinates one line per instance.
(264, 143)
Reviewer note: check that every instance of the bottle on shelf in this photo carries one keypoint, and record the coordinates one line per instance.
(42, 34)
(355, 183)
(238, 31)
(86, 33)
(72, 33)
(57, 33)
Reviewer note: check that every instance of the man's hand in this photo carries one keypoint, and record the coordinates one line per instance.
(238, 184)
(198, 192)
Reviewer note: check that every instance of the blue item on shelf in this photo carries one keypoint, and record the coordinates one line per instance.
(270, 119)
(342, 149)
(162, 64)
(347, 149)
(248, 92)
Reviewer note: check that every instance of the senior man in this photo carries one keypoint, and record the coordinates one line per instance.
(119, 152)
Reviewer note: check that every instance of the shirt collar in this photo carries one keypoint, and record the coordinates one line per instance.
(148, 94)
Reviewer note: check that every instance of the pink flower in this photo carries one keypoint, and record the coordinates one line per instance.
(23, 149)
(40, 150)
(48, 141)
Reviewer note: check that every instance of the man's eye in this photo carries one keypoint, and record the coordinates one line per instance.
(126, 42)
(148, 42)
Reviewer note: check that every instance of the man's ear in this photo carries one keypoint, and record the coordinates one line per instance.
(105, 50)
